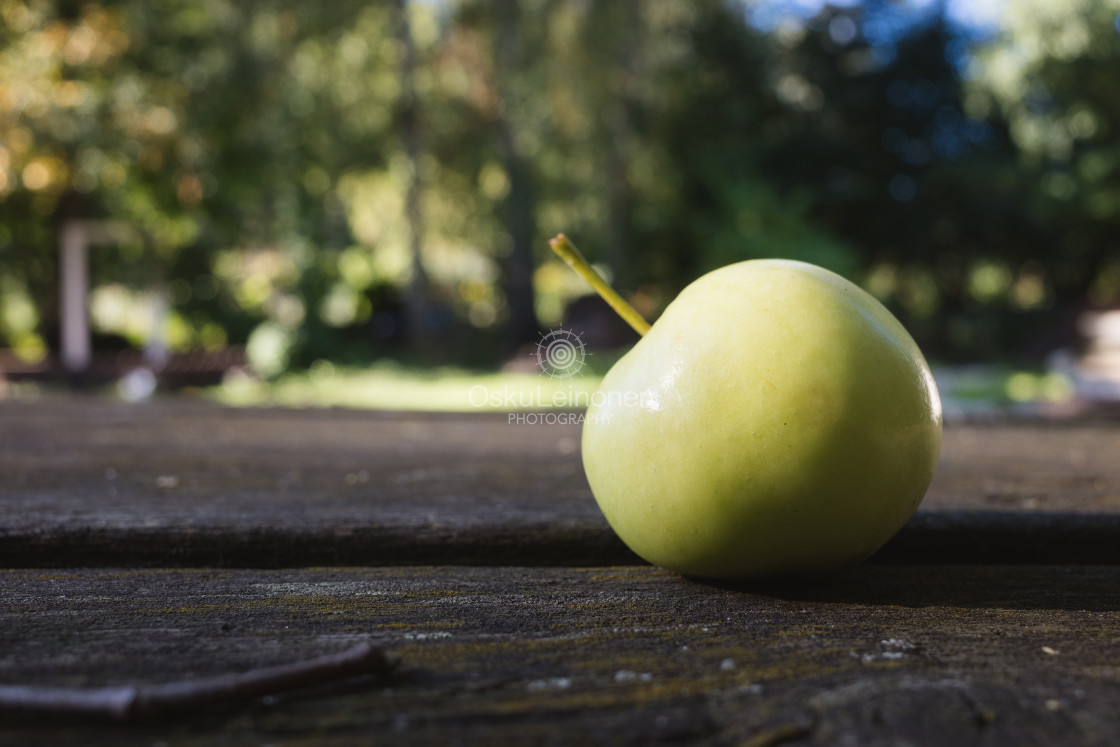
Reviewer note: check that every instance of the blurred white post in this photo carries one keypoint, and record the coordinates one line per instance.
(156, 352)
(74, 289)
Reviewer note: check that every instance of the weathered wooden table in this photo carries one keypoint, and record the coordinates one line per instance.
(178, 540)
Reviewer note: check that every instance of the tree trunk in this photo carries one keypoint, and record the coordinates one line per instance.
(620, 144)
(518, 271)
(416, 302)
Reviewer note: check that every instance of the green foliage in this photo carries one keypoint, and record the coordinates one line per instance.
(257, 155)
(1052, 76)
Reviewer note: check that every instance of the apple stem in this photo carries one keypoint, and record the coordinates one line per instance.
(567, 251)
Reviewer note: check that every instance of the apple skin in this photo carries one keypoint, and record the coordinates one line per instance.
(776, 420)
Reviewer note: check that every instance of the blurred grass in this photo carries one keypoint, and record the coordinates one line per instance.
(986, 390)
(392, 386)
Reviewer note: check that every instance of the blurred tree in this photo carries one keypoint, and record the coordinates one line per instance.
(51, 133)
(411, 136)
(658, 111)
(880, 140)
(513, 39)
(212, 128)
(1052, 75)
(317, 182)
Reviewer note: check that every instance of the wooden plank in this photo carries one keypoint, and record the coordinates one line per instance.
(88, 482)
(943, 655)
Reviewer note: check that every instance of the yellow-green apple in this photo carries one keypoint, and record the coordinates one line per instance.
(776, 419)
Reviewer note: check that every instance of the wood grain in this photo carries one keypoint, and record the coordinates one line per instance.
(181, 483)
(936, 655)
